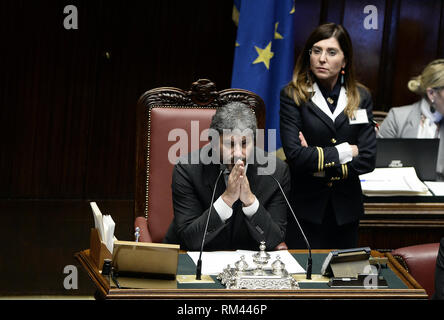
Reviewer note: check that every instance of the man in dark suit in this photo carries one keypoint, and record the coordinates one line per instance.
(248, 206)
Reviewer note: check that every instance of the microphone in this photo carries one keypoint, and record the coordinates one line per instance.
(199, 262)
(137, 234)
(309, 260)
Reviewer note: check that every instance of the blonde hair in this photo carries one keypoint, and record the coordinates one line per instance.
(299, 87)
(431, 77)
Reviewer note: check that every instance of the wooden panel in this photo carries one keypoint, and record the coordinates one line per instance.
(387, 226)
(383, 96)
(416, 45)
(50, 97)
(42, 237)
(68, 111)
(332, 11)
(387, 237)
(307, 17)
(367, 43)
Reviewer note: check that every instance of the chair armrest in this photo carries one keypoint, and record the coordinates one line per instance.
(145, 235)
(420, 262)
(281, 246)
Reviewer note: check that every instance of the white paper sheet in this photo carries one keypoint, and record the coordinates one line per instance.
(105, 225)
(108, 227)
(98, 219)
(214, 262)
(393, 181)
(436, 187)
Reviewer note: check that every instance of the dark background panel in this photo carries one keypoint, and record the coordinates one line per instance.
(417, 44)
(68, 104)
(367, 43)
(42, 238)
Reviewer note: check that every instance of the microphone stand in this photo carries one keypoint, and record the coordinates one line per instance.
(309, 260)
(199, 262)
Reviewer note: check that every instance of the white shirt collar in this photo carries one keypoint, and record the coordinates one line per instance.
(319, 100)
(425, 110)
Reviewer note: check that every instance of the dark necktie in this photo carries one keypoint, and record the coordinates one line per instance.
(332, 102)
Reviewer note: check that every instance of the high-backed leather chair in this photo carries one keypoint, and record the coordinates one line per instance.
(159, 111)
(420, 262)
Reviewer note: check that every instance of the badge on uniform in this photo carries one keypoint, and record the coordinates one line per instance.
(359, 117)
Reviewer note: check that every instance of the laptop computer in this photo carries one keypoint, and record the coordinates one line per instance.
(421, 154)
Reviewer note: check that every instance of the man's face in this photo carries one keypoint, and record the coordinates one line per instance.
(234, 146)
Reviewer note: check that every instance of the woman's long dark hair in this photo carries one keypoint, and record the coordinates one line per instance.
(302, 81)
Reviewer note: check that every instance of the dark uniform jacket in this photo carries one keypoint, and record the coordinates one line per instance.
(192, 188)
(341, 185)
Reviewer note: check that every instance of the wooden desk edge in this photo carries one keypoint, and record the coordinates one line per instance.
(415, 291)
(402, 273)
(94, 274)
(391, 208)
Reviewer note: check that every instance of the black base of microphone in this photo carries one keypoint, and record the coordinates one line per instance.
(309, 267)
(199, 270)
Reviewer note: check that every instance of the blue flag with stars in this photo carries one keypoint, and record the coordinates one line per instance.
(264, 53)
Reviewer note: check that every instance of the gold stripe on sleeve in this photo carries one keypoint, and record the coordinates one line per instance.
(319, 158)
(344, 171)
(322, 159)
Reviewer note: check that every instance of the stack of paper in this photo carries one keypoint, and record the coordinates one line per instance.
(393, 182)
(436, 187)
(213, 263)
(105, 225)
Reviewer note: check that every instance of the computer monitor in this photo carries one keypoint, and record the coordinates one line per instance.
(421, 154)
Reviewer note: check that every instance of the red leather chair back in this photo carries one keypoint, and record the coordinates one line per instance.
(163, 121)
(160, 111)
(420, 262)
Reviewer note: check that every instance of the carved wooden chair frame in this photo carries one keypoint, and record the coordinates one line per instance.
(202, 94)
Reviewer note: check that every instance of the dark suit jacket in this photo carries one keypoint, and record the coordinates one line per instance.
(439, 273)
(192, 188)
(341, 184)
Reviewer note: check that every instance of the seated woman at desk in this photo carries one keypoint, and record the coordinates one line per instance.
(423, 119)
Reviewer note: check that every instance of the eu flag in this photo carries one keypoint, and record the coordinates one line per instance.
(264, 53)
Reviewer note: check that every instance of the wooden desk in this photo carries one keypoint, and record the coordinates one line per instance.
(412, 291)
(390, 225)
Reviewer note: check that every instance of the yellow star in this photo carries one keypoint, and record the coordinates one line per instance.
(277, 35)
(264, 55)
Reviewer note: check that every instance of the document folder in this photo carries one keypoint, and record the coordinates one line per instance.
(98, 250)
(146, 260)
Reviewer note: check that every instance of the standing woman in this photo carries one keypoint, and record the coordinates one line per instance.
(328, 136)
